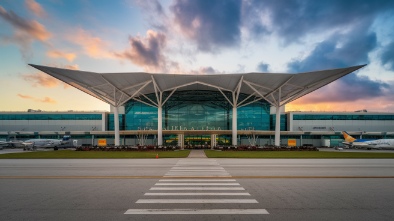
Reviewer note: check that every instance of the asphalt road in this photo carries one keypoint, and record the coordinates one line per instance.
(223, 189)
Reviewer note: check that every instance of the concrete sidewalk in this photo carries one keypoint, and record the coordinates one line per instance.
(197, 154)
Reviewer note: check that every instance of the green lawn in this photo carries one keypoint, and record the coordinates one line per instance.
(294, 154)
(71, 154)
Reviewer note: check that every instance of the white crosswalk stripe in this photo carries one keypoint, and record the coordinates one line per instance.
(198, 177)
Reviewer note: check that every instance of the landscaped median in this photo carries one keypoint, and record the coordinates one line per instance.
(71, 154)
(294, 154)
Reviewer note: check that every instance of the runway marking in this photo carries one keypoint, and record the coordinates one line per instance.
(196, 188)
(197, 211)
(204, 180)
(197, 184)
(196, 201)
(197, 194)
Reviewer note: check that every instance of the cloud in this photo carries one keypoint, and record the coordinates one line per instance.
(146, 52)
(24, 27)
(43, 100)
(25, 96)
(205, 70)
(341, 97)
(263, 67)
(92, 46)
(35, 8)
(58, 54)
(340, 50)
(25, 31)
(72, 66)
(350, 88)
(293, 20)
(40, 79)
(155, 14)
(211, 24)
(387, 56)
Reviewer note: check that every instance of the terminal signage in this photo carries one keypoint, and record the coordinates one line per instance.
(291, 142)
(102, 142)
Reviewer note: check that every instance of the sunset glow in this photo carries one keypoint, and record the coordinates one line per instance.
(197, 37)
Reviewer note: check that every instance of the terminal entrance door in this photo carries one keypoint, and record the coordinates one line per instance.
(198, 141)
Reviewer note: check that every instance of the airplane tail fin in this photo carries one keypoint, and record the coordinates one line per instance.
(347, 137)
(66, 139)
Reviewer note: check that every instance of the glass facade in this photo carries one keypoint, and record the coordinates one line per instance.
(283, 122)
(50, 117)
(194, 110)
(341, 117)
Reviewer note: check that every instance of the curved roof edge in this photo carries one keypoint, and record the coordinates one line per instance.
(117, 88)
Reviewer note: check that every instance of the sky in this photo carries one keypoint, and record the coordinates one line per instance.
(197, 37)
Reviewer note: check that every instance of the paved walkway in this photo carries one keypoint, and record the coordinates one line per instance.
(197, 154)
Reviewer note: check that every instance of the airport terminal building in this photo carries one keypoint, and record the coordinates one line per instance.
(197, 111)
(255, 126)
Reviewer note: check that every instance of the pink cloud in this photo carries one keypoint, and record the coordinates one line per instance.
(58, 54)
(25, 28)
(72, 66)
(25, 96)
(41, 79)
(36, 8)
(93, 46)
(43, 100)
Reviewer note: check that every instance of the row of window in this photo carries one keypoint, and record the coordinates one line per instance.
(341, 117)
(192, 115)
(50, 116)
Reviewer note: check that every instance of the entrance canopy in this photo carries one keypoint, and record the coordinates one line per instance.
(117, 88)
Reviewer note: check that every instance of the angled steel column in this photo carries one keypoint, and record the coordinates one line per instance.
(116, 125)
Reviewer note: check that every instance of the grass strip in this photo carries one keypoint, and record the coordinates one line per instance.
(71, 154)
(295, 154)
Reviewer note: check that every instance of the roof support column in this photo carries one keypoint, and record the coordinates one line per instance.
(277, 121)
(277, 126)
(234, 127)
(159, 125)
(116, 125)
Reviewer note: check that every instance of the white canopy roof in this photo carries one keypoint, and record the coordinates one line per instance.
(117, 88)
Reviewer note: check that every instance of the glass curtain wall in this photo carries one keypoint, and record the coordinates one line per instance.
(194, 110)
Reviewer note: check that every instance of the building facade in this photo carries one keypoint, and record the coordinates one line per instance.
(197, 119)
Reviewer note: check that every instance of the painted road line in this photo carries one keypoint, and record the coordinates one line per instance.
(206, 170)
(197, 188)
(199, 176)
(198, 180)
(197, 164)
(197, 184)
(197, 211)
(197, 168)
(197, 194)
(196, 201)
(191, 172)
(191, 169)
